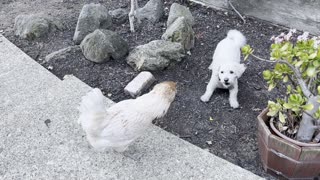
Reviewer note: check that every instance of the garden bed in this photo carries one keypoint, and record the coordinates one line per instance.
(230, 135)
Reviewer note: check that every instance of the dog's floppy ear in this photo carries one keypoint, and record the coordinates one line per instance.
(239, 69)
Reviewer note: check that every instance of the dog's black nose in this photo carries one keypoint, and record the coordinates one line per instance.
(226, 79)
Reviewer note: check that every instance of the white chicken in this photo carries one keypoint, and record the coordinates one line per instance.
(118, 126)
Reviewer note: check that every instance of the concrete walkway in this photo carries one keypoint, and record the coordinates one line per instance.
(40, 139)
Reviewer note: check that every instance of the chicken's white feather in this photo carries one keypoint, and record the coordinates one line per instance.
(118, 126)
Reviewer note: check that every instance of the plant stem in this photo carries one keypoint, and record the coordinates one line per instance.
(296, 72)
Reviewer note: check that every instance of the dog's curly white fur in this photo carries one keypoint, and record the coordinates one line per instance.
(226, 67)
(118, 126)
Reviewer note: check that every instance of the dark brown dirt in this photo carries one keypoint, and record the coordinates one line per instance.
(232, 132)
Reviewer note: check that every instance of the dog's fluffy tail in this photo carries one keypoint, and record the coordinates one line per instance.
(237, 37)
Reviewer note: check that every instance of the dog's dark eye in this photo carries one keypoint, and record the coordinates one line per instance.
(221, 72)
(231, 72)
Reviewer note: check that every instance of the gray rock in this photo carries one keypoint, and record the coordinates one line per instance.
(92, 17)
(177, 10)
(180, 31)
(103, 44)
(62, 54)
(35, 26)
(119, 16)
(156, 55)
(152, 11)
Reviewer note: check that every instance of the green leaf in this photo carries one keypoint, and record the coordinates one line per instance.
(311, 71)
(318, 88)
(289, 89)
(299, 63)
(317, 114)
(284, 47)
(271, 86)
(285, 79)
(282, 118)
(316, 63)
(287, 106)
(308, 107)
(267, 74)
(313, 55)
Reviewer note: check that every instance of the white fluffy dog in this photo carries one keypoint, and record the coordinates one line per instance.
(226, 67)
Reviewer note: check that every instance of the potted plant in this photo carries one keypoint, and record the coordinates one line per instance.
(289, 128)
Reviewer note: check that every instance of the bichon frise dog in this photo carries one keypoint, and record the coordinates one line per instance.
(119, 125)
(226, 67)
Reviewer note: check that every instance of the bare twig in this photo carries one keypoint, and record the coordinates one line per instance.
(296, 72)
(244, 21)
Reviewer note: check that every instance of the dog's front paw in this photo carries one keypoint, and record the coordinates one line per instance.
(234, 104)
(204, 98)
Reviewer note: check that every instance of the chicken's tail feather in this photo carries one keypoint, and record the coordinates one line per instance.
(92, 109)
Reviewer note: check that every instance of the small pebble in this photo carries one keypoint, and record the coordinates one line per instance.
(50, 67)
(209, 142)
(47, 122)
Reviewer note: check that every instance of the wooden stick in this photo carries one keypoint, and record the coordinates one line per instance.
(229, 2)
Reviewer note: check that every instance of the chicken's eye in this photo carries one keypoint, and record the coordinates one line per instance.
(221, 72)
(231, 72)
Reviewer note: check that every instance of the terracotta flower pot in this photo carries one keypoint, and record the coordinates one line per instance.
(284, 157)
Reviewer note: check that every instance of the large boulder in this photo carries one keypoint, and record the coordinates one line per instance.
(103, 44)
(35, 26)
(177, 10)
(119, 16)
(156, 55)
(92, 17)
(152, 11)
(180, 31)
